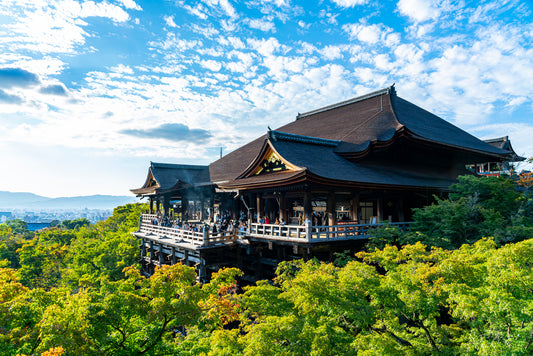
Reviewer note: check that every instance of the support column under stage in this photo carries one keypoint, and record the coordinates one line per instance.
(330, 209)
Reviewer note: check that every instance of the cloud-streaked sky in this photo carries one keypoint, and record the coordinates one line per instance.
(92, 91)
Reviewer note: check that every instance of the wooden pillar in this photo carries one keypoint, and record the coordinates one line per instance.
(212, 207)
(202, 271)
(308, 208)
(173, 258)
(249, 210)
(401, 215)
(379, 202)
(330, 209)
(267, 208)
(283, 208)
(143, 254)
(161, 259)
(236, 207)
(202, 208)
(157, 205)
(151, 250)
(355, 208)
(166, 205)
(259, 204)
(151, 205)
(184, 207)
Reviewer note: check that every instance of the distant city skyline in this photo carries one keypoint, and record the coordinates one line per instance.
(92, 91)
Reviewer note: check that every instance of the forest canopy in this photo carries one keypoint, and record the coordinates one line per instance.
(459, 282)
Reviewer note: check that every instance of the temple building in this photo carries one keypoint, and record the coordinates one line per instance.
(311, 187)
(498, 168)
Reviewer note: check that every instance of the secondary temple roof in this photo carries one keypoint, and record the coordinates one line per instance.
(164, 176)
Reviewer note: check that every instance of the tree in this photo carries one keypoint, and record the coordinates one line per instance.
(75, 223)
(451, 223)
(19, 227)
(498, 194)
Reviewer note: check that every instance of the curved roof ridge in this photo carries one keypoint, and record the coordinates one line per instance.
(174, 165)
(385, 91)
(285, 136)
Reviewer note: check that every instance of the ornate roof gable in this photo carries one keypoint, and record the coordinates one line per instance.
(268, 160)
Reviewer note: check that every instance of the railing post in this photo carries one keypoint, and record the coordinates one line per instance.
(308, 231)
(140, 222)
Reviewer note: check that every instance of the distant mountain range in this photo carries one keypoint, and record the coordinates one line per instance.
(10, 200)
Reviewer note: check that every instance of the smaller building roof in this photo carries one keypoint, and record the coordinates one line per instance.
(504, 143)
(167, 176)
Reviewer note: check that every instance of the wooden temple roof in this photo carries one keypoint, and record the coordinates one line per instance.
(357, 126)
(333, 145)
(317, 161)
(165, 177)
(505, 144)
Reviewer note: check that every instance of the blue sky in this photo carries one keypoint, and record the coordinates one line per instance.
(92, 91)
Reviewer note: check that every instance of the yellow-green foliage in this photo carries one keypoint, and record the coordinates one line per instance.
(80, 292)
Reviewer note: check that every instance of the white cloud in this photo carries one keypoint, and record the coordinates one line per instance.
(262, 24)
(169, 20)
(349, 3)
(56, 27)
(303, 25)
(330, 18)
(331, 52)
(199, 11)
(419, 10)
(517, 101)
(265, 47)
(122, 69)
(130, 4)
(368, 33)
(211, 65)
(222, 4)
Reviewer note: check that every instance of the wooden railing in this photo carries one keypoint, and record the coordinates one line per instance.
(198, 238)
(278, 232)
(309, 233)
(348, 232)
(295, 233)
